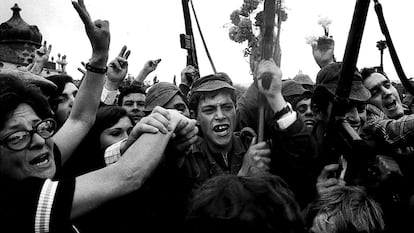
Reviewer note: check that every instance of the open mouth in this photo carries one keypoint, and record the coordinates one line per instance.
(391, 105)
(41, 160)
(221, 130)
(309, 122)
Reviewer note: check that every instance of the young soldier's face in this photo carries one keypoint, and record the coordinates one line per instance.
(217, 118)
(304, 109)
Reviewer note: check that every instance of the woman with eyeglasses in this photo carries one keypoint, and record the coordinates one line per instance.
(34, 197)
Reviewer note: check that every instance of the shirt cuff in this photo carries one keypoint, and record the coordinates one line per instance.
(287, 120)
(108, 97)
(113, 152)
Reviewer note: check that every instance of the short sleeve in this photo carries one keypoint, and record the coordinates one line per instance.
(36, 205)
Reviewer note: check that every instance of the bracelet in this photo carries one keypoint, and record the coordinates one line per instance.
(95, 69)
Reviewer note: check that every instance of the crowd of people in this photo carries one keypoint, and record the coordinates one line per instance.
(105, 156)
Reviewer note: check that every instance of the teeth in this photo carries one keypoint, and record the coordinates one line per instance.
(41, 160)
(41, 163)
(221, 128)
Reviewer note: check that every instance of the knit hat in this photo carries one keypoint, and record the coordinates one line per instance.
(160, 94)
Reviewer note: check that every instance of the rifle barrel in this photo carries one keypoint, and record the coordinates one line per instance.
(267, 53)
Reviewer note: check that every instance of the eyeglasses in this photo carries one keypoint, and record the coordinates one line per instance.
(20, 140)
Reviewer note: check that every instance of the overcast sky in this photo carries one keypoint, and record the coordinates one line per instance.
(151, 30)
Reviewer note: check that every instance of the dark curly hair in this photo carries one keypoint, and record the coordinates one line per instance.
(198, 96)
(367, 71)
(128, 90)
(60, 80)
(230, 203)
(13, 92)
(106, 117)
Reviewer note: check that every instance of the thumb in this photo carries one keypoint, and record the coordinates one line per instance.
(254, 141)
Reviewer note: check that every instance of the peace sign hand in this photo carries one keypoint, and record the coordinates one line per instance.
(42, 54)
(118, 67)
(40, 59)
(97, 31)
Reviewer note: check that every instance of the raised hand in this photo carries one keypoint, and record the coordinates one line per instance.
(149, 66)
(323, 51)
(40, 59)
(189, 75)
(42, 54)
(117, 69)
(83, 69)
(97, 32)
(269, 83)
(267, 71)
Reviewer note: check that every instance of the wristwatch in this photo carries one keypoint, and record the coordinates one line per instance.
(282, 112)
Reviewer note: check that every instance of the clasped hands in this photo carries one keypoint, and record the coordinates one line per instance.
(164, 121)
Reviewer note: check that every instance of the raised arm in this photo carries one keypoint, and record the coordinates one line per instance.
(83, 113)
(149, 66)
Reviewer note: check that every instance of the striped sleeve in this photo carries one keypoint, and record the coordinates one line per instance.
(36, 205)
(44, 206)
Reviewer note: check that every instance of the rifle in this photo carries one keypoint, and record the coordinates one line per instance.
(187, 39)
(343, 138)
(267, 53)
